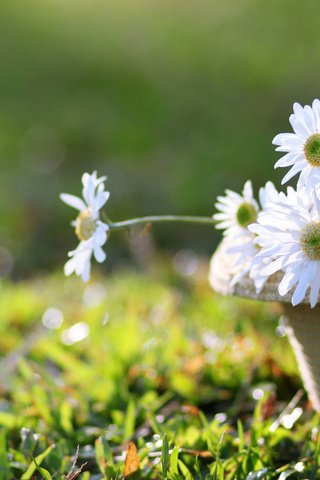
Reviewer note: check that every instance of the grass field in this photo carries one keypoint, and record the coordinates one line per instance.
(190, 384)
(145, 373)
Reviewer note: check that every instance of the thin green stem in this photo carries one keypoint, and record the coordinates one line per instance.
(161, 218)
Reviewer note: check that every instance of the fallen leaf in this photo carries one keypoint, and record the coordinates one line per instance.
(132, 463)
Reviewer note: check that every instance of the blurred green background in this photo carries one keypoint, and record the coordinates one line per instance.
(175, 101)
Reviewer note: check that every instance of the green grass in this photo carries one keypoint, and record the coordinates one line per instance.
(166, 365)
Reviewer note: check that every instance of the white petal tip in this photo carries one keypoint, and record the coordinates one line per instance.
(294, 303)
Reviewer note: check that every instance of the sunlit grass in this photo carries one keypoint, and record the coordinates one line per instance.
(158, 361)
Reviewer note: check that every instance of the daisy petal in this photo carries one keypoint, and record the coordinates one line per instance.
(73, 201)
(99, 254)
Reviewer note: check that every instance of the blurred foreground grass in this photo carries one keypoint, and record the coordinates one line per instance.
(192, 380)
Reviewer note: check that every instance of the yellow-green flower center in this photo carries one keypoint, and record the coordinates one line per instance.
(312, 150)
(86, 224)
(310, 240)
(246, 214)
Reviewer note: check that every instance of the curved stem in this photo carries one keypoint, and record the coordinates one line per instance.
(161, 218)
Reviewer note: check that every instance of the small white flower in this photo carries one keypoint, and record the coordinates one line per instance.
(303, 146)
(244, 250)
(236, 211)
(288, 233)
(90, 230)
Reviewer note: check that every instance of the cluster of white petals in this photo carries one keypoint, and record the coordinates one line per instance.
(302, 146)
(280, 233)
(236, 213)
(91, 231)
(285, 236)
(289, 237)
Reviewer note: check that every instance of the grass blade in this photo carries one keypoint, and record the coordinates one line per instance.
(36, 462)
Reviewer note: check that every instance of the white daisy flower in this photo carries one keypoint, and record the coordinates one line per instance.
(302, 146)
(244, 251)
(289, 238)
(90, 230)
(236, 211)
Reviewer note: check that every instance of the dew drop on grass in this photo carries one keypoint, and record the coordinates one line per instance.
(289, 420)
(221, 417)
(105, 319)
(299, 467)
(94, 295)
(52, 318)
(76, 333)
(257, 393)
